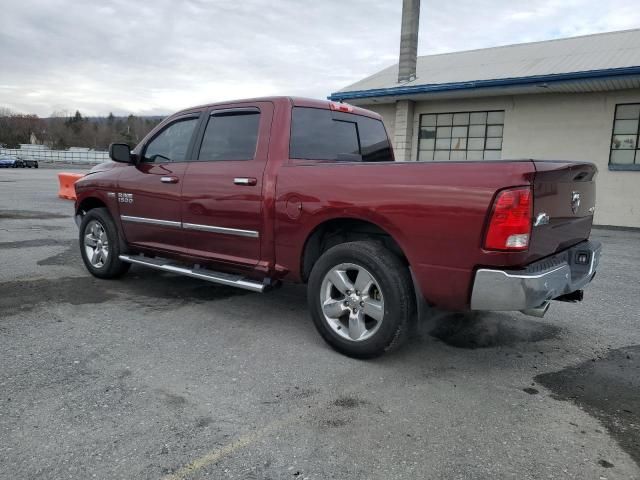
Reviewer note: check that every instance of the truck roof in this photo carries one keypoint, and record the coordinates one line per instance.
(293, 101)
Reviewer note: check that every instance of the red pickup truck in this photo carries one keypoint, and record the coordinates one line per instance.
(255, 192)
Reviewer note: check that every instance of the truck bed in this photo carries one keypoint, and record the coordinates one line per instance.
(436, 211)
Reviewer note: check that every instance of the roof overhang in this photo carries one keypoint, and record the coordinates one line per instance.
(573, 82)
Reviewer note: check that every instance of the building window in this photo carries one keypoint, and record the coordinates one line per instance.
(625, 153)
(461, 136)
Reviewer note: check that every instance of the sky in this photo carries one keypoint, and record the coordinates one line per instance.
(156, 57)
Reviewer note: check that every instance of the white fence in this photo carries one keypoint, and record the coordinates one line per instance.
(44, 155)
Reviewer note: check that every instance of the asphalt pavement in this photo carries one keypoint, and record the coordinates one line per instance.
(160, 376)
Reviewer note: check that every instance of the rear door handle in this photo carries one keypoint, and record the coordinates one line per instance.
(169, 179)
(245, 181)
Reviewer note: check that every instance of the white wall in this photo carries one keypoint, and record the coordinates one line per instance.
(557, 127)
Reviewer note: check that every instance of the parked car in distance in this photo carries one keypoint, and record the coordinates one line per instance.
(28, 163)
(253, 193)
(11, 162)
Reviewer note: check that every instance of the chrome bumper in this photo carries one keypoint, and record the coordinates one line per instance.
(539, 282)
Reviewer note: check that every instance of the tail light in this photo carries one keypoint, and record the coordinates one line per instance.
(510, 223)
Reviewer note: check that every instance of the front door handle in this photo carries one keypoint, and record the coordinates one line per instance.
(169, 179)
(245, 181)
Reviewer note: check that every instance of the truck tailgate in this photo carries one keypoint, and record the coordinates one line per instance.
(564, 192)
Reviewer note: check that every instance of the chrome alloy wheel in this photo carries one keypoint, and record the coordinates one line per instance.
(96, 244)
(352, 302)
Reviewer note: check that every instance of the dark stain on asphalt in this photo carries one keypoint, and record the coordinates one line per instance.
(349, 402)
(486, 330)
(29, 215)
(608, 389)
(21, 296)
(69, 257)
(141, 283)
(295, 393)
(146, 283)
(174, 400)
(301, 393)
(38, 242)
(334, 422)
(172, 289)
(202, 422)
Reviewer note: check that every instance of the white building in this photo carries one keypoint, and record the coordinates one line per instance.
(568, 99)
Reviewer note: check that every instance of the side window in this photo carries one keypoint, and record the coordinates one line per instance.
(320, 134)
(172, 143)
(230, 136)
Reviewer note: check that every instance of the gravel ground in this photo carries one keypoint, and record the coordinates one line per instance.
(158, 376)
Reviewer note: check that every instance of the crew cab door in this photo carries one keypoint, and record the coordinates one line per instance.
(222, 192)
(149, 192)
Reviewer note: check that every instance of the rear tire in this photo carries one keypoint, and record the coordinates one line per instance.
(100, 245)
(361, 299)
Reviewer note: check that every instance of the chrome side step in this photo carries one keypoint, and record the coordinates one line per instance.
(196, 272)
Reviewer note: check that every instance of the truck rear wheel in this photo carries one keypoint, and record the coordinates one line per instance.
(100, 246)
(361, 299)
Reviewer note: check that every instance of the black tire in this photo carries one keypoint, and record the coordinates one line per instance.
(113, 267)
(395, 286)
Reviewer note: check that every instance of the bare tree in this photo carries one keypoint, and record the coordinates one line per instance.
(62, 130)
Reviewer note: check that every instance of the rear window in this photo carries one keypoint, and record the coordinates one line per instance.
(320, 134)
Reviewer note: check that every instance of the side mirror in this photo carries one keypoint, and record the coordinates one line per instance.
(120, 152)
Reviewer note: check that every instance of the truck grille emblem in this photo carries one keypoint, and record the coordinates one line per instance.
(575, 201)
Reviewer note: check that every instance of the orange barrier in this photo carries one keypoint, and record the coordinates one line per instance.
(66, 180)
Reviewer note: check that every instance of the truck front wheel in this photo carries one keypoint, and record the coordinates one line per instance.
(100, 246)
(361, 299)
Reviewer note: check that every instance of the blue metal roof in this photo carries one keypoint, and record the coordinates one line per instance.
(476, 84)
(588, 58)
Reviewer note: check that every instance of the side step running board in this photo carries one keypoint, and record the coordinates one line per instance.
(197, 272)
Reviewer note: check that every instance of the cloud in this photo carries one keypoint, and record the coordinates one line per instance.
(156, 57)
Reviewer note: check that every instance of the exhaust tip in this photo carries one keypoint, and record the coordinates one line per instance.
(538, 311)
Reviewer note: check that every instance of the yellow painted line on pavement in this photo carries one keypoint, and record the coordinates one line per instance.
(216, 455)
(247, 439)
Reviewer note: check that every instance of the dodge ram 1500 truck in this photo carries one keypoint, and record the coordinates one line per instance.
(255, 192)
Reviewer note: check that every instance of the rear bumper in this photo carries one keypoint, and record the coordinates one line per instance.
(539, 282)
